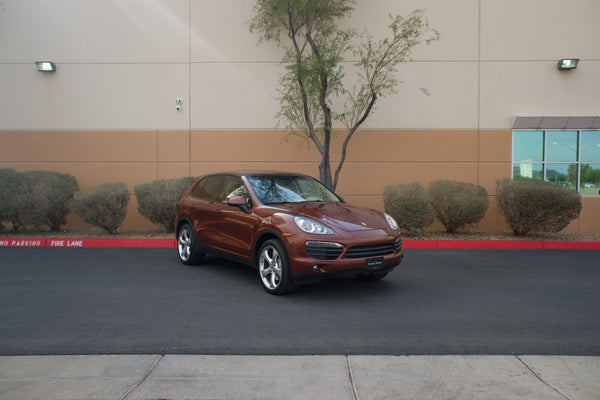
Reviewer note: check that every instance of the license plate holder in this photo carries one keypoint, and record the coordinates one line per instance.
(374, 264)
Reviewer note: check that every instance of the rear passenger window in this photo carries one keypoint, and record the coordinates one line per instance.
(198, 188)
(209, 188)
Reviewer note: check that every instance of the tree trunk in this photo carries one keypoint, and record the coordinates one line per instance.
(325, 172)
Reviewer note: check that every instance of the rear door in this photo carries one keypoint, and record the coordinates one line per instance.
(204, 203)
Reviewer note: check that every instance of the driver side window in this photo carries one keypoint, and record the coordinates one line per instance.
(234, 187)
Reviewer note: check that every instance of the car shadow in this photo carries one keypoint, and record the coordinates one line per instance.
(341, 288)
(346, 288)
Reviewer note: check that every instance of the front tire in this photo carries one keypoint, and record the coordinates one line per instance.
(274, 268)
(186, 246)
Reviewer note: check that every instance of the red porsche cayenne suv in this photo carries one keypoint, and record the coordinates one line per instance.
(288, 226)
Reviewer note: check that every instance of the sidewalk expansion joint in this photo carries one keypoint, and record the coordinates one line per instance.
(541, 379)
(351, 378)
(152, 368)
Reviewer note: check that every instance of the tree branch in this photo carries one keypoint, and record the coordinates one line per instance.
(306, 111)
(354, 128)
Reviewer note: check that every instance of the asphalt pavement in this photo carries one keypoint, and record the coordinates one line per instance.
(437, 302)
(549, 296)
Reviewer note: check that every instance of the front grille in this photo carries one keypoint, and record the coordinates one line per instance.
(324, 250)
(371, 250)
(398, 244)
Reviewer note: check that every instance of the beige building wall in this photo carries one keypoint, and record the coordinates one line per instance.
(108, 113)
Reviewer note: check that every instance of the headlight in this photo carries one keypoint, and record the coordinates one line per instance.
(391, 221)
(310, 226)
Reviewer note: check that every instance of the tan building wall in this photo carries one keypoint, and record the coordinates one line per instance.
(108, 113)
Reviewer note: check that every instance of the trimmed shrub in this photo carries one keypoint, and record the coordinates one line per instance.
(54, 193)
(411, 205)
(10, 181)
(535, 205)
(36, 198)
(458, 204)
(157, 200)
(104, 206)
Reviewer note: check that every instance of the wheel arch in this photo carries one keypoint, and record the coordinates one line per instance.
(262, 238)
(182, 222)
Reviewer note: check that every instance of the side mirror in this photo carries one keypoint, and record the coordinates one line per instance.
(239, 202)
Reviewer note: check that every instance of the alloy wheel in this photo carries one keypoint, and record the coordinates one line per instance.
(270, 267)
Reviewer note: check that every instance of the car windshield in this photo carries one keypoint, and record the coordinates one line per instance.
(279, 189)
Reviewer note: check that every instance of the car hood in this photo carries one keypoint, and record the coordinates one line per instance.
(338, 215)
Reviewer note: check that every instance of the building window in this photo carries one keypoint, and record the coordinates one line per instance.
(569, 158)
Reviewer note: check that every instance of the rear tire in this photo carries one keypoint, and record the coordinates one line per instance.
(186, 246)
(274, 268)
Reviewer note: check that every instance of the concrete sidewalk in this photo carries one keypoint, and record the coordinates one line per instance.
(129, 377)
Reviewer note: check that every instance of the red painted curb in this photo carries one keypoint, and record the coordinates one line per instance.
(497, 244)
(572, 245)
(489, 244)
(70, 242)
(419, 244)
(407, 244)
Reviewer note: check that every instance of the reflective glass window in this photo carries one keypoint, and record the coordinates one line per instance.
(528, 146)
(528, 170)
(561, 146)
(590, 146)
(562, 174)
(567, 158)
(590, 179)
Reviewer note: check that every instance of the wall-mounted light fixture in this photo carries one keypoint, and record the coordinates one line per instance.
(568, 63)
(45, 66)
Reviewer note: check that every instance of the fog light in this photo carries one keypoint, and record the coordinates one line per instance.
(318, 268)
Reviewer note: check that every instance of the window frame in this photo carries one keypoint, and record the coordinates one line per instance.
(545, 162)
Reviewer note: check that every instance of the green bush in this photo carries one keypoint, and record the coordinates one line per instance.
(10, 183)
(54, 193)
(458, 204)
(36, 198)
(535, 205)
(157, 200)
(104, 206)
(411, 205)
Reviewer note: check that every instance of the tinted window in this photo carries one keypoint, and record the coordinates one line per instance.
(234, 187)
(290, 189)
(198, 188)
(590, 146)
(528, 146)
(567, 158)
(211, 188)
(561, 146)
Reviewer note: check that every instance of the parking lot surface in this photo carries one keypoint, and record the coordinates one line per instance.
(475, 324)
(438, 302)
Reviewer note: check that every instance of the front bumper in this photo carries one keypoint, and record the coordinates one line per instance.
(313, 258)
(321, 275)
